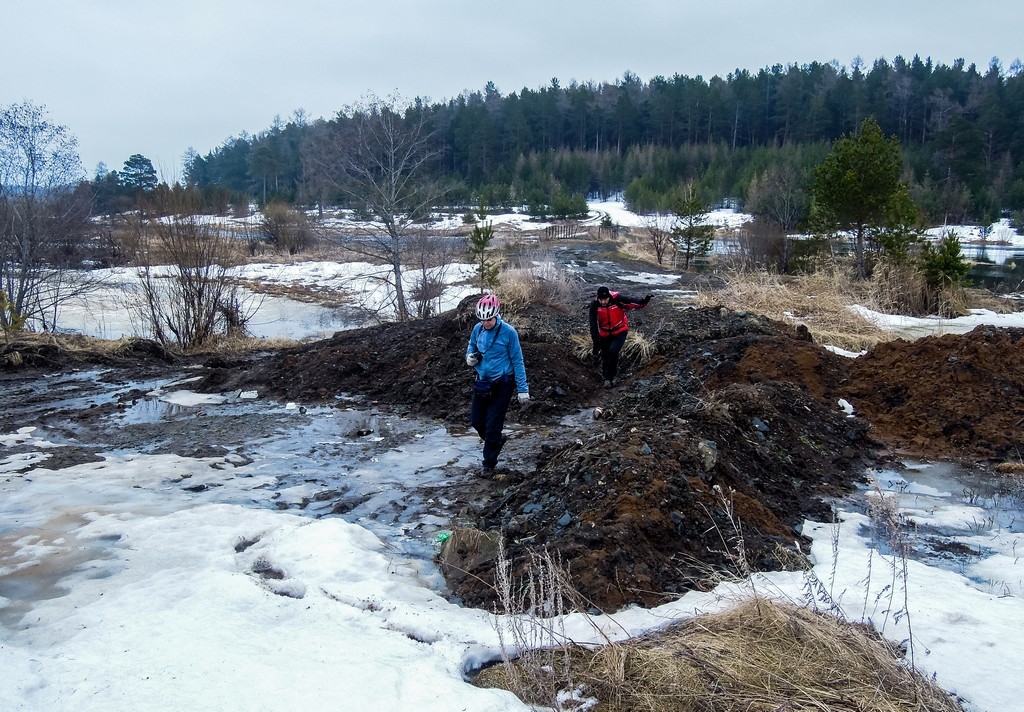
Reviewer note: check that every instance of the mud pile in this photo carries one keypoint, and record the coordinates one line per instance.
(727, 439)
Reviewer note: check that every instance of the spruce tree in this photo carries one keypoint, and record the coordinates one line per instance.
(691, 236)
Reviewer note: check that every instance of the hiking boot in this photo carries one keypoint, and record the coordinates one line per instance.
(609, 383)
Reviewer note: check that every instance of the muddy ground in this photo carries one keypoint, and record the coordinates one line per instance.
(732, 428)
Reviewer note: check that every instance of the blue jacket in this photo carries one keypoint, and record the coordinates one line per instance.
(501, 354)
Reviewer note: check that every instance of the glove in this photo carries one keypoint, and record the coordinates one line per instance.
(645, 301)
(472, 360)
(524, 397)
(595, 354)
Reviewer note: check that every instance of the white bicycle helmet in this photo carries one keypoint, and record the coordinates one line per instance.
(488, 307)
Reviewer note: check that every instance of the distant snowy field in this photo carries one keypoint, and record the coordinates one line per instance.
(105, 314)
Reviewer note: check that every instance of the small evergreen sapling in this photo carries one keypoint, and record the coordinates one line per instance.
(479, 239)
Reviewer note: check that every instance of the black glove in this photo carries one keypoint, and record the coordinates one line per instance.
(645, 301)
(595, 354)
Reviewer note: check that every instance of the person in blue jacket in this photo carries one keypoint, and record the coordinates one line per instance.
(494, 352)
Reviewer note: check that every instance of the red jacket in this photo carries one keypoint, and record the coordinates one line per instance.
(611, 320)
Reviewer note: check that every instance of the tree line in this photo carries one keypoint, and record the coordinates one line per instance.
(958, 128)
(932, 144)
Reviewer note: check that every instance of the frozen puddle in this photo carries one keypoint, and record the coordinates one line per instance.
(951, 518)
(389, 474)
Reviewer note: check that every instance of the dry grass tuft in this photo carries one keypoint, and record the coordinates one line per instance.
(759, 655)
(819, 300)
(243, 344)
(535, 644)
(538, 279)
(984, 299)
(638, 348)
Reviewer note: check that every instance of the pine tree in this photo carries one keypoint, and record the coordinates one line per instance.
(138, 174)
(691, 236)
(856, 184)
(479, 239)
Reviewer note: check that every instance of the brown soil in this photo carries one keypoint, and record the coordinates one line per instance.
(731, 433)
(734, 426)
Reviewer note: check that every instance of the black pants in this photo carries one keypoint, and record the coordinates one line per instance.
(610, 346)
(487, 416)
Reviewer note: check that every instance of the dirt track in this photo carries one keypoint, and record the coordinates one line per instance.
(734, 421)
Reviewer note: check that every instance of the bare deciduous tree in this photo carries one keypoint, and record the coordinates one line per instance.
(187, 296)
(659, 234)
(379, 154)
(43, 218)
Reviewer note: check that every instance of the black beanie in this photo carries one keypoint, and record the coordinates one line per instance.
(603, 292)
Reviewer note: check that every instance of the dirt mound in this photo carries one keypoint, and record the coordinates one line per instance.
(42, 352)
(697, 459)
(953, 396)
(643, 500)
(729, 437)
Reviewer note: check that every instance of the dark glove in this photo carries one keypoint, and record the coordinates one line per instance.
(645, 301)
(595, 355)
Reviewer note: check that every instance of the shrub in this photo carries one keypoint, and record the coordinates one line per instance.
(536, 280)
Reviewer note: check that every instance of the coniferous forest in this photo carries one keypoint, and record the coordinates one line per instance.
(961, 131)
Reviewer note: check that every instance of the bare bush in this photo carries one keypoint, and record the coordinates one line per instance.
(762, 244)
(430, 257)
(536, 279)
(189, 298)
(658, 230)
(285, 228)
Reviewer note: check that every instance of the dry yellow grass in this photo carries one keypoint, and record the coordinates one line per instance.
(820, 301)
(243, 344)
(757, 656)
(638, 348)
(540, 281)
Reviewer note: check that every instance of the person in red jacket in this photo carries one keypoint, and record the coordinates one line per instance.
(609, 327)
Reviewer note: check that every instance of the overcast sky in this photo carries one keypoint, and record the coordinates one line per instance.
(130, 76)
